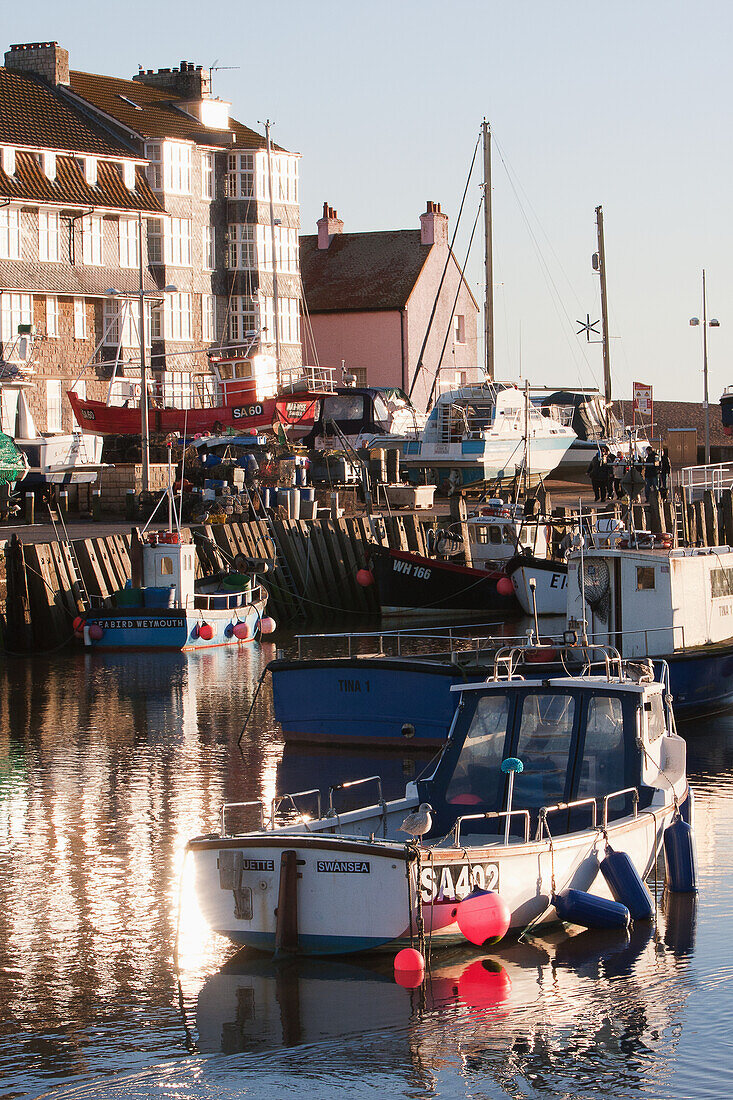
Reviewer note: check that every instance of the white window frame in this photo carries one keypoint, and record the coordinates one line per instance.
(177, 239)
(207, 176)
(243, 317)
(155, 240)
(8, 160)
(178, 316)
(121, 322)
(241, 175)
(208, 248)
(48, 160)
(208, 318)
(90, 171)
(10, 233)
(243, 247)
(128, 174)
(91, 239)
(80, 319)
(459, 328)
(54, 407)
(15, 309)
(288, 316)
(128, 242)
(176, 168)
(154, 170)
(52, 315)
(49, 232)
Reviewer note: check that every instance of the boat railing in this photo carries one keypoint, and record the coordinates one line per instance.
(307, 378)
(633, 791)
(403, 643)
(507, 814)
(290, 798)
(563, 807)
(240, 806)
(333, 812)
(695, 480)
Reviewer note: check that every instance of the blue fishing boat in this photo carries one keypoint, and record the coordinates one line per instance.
(165, 607)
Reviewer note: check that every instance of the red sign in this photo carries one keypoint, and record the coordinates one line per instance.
(643, 401)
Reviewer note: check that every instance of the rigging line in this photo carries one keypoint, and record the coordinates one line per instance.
(445, 269)
(455, 300)
(308, 322)
(555, 295)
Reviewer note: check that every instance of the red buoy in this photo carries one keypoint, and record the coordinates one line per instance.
(206, 631)
(267, 625)
(96, 632)
(364, 577)
(241, 631)
(483, 917)
(409, 968)
(78, 624)
(504, 586)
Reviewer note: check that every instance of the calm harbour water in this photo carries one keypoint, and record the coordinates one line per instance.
(109, 764)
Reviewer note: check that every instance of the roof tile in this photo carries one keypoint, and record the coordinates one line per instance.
(70, 187)
(361, 271)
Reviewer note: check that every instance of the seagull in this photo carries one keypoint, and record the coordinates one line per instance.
(419, 822)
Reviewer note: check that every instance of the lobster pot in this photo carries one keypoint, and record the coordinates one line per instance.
(393, 466)
(626, 884)
(679, 857)
(577, 907)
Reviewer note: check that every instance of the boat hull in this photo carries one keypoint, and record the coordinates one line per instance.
(551, 578)
(168, 628)
(409, 581)
(354, 896)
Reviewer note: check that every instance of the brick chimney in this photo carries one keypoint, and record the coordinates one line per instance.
(188, 81)
(45, 59)
(433, 225)
(328, 226)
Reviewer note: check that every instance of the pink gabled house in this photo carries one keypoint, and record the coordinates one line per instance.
(368, 298)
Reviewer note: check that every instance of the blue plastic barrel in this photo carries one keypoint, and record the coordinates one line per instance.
(679, 857)
(578, 907)
(307, 492)
(626, 884)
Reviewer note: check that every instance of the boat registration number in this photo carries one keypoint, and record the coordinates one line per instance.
(241, 412)
(455, 881)
(88, 414)
(144, 624)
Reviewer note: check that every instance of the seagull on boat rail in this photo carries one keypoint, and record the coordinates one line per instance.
(419, 822)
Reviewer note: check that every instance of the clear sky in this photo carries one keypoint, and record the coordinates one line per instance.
(626, 104)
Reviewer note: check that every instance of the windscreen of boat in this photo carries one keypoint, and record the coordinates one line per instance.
(477, 778)
(602, 760)
(344, 408)
(544, 744)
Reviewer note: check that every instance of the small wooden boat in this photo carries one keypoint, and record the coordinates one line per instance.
(601, 764)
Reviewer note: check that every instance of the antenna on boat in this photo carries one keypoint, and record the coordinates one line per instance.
(584, 621)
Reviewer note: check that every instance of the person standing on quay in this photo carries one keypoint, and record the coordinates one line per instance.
(597, 472)
(665, 469)
(651, 473)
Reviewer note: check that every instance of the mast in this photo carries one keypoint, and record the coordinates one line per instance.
(275, 298)
(601, 268)
(488, 258)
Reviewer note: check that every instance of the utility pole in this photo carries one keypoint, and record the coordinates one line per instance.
(601, 267)
(488, 258)
(144, 433)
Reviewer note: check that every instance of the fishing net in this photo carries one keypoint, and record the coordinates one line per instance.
(597, 582)
(12, 462)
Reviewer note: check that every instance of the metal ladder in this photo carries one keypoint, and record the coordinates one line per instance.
(680, 533)
(83, 600)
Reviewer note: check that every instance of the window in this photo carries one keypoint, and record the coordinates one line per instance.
(128, 232)
(644, 577)
(177, 242)
(15, 310)
(178, 316)
(477, 779)
(155, 167)
(155, 241)
(8, 161)
(289, 320)
(545, 736)
(53, 405)
(207, 245)
(242, 250)
(284, 178)
(80, 319)
(128, 174)
(207, 175)
(90, 171)
(91, 239)
(9, 233)
(721, 583)
(240, 175)
(602, 765)
(48, 235)
(177, 168)
(208, 332)
(178, 389)
(166, 567)
(243, 320)
(121, 318)
(459, 328)
(342, 409)
(49, 165)
(52, 315)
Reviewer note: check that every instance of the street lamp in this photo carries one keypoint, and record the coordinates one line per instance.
(712, 323)
(144, 432)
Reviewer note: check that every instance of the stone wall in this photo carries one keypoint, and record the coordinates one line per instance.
(115, 482)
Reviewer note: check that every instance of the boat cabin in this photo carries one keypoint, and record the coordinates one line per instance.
(578, 739)
(362, 413)
(500, 532)
(652, 602)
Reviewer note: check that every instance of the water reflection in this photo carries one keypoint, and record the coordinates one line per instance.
(108, 764)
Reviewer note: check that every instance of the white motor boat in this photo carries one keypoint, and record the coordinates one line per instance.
(601, 762)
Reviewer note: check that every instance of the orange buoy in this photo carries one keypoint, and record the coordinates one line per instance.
(206, 631)
(483, 917)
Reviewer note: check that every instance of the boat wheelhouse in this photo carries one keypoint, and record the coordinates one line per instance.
(601, 765)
